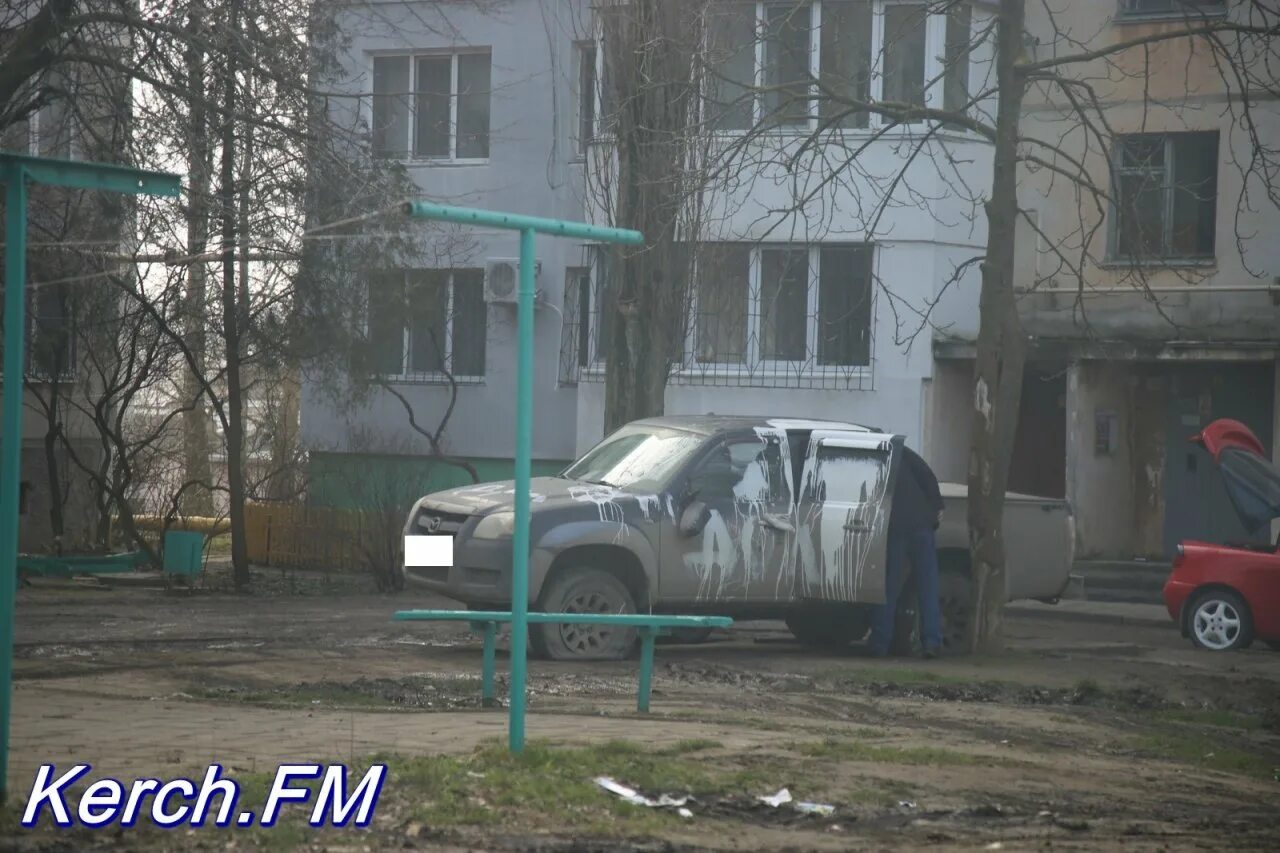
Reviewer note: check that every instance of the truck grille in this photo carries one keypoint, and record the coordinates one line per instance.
(431, 521)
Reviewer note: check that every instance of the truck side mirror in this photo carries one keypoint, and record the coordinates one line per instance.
(692, 519)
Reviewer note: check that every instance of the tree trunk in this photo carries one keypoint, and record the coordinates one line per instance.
(195, 423)
(234, 423)
(53, 430)
(283, 482)
(1000, 350)
(648, 52)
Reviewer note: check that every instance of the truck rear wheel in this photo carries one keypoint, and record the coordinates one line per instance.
(832, 627)
(582, 589)
(955, 611)
(955, 603)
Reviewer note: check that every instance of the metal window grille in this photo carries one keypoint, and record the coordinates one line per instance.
(1166, 194)
(763, 316)
(50, 334)
(432, 106)
(428, 325)
(575, 331)
(1139, 8)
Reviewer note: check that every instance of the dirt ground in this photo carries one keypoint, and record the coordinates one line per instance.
(1083, 736)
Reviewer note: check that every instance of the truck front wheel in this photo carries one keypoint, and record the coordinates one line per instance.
(582, 589)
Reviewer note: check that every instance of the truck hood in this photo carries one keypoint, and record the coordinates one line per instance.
(1252, 480)
(544, 492)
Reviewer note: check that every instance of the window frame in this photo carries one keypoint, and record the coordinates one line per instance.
(1126, 15)
(412, 97)
(432, 377)
(754, 363)
(582, 144)
(1168, 188)
(933, 67)
(576, 356)
(32, 370)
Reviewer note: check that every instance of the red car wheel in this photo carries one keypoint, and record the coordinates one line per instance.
(1219, 620)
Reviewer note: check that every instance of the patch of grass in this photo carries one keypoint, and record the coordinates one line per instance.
(1208, 717)
(552, 787)
(291, 697)
(883, 793)
(695, 744)
(1186, 747)
(894, 675)
(1087, 690)
(220, 545)
(853, 750)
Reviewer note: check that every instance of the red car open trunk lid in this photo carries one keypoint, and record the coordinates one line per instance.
(1252, 480)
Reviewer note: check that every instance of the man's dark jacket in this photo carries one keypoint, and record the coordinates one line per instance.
(917, 500)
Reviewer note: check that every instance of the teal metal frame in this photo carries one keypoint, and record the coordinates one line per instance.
(529, 227)
(16, 171)
(649, 626)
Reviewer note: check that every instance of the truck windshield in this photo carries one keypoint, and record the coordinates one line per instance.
(638, 457)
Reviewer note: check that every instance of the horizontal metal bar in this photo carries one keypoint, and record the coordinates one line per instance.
(637, 619)
(518, 222)
(91, 176)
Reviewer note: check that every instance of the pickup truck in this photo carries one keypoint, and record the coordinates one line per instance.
(749, 517)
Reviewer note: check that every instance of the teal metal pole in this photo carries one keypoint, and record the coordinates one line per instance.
(519, 222)
(15, 285)
(524, 451)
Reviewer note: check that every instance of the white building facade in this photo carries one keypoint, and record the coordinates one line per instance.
(826, 310)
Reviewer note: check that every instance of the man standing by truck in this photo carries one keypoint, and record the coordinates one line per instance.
(914, 516)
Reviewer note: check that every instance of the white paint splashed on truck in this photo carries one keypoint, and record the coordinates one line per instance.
(845, 507)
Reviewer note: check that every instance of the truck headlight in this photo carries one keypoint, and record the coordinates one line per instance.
(497, 525)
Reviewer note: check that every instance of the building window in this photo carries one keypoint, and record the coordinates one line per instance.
(768, 61)
(782, 308)
(846, 60)
(575, 333)
(1171, 8)
(1166, 190)
(904, 53)
(427, 325)
(785, 57)
(51, 342)
(432, 106)
(762, 315)
(959, 46)
(16, 137)
(585, 55)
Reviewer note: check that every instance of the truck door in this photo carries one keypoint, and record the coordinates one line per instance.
(741, 546)
(846, 491)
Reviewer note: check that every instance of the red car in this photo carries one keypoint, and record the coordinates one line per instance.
(1225, 596)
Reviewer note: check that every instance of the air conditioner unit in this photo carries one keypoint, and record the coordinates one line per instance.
(502, 279)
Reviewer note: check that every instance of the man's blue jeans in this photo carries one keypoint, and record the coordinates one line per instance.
(919, 548)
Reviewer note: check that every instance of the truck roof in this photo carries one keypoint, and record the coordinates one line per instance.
(711, 423)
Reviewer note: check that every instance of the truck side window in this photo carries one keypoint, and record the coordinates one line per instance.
(715, 476)
(849, 475)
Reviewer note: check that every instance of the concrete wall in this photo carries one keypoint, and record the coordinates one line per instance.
(951, 409)
(911, 275)
(1170, 89)
(1101, 488)
(530, 170)
(920, 241)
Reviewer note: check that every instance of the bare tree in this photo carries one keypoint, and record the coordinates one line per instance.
(860, 137)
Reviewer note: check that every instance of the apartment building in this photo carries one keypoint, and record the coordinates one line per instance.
(819, 308)
(796, 313)
(80, 118)
(1177, 321)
